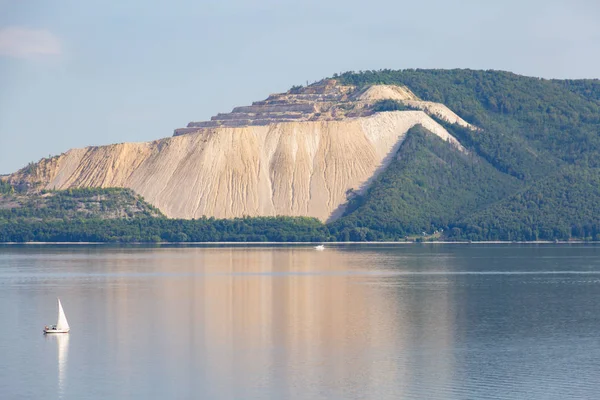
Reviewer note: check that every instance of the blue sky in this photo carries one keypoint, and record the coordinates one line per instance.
(79, 73)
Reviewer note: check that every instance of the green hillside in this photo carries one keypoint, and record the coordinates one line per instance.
(531, 172)
(544, 133)
(561, 206)
(111, 203)
(119, 215)
(428, 186)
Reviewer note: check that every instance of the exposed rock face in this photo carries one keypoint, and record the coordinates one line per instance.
(405, 96)
(296, 153)
(323, 101)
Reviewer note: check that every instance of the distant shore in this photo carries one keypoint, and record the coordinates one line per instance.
(301, 243)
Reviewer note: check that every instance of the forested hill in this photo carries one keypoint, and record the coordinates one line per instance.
(544, 133)
(531, 172)
(119, 215)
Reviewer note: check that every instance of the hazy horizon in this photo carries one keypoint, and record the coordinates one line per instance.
(74, 74)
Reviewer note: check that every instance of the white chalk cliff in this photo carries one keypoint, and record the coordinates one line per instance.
(296, 153)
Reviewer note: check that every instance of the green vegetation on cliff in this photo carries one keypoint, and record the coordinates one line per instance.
(429, 185)
(6, 188)
(389, 105)
(520, 116)
(119, 215)
(544, 133)
(561, 206)
(65, 205)
(532, 172)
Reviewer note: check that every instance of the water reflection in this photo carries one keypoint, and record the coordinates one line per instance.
(284, 319)
(62, 343)
(292, 315)
(355, 322)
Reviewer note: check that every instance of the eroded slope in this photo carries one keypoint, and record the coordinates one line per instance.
(297, 153)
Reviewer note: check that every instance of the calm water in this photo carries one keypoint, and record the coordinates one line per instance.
(351, 322)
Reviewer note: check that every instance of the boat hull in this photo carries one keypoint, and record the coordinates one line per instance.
(56, 331)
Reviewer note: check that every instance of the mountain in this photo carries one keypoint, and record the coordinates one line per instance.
(378, 155)
(545, 134)
(295, 154)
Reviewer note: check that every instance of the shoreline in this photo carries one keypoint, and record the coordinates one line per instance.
(298, 243)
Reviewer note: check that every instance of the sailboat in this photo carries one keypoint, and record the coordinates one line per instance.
(62, 326)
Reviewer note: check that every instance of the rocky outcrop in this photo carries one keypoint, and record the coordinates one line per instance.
(408, 98)
(315, 102)
(301, 168)
(323, 101)
(297, 153)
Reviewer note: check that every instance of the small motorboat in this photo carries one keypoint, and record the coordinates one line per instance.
(62, 326)
(320, 247)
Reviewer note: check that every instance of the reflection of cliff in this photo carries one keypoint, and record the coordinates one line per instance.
(291, 319)
(261, 312)
(296, 317)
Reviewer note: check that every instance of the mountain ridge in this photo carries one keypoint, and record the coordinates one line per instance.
(260, 162)
(524, 165)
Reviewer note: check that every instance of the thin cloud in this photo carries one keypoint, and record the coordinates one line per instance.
(28, 43)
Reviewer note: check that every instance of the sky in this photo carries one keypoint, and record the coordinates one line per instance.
(78, 73)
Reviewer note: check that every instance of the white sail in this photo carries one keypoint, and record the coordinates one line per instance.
(62, 323)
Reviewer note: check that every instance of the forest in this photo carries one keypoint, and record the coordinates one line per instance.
(534, 161)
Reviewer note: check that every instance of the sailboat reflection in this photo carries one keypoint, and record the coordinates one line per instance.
(62, 342)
